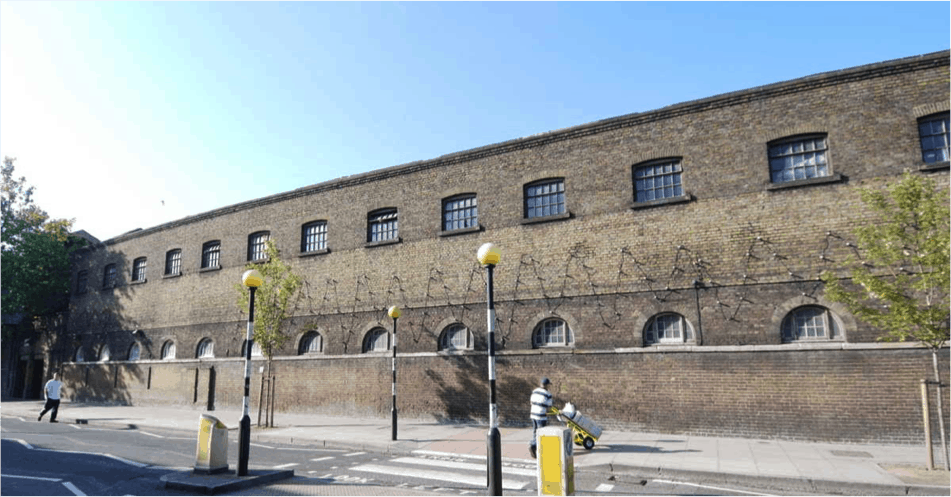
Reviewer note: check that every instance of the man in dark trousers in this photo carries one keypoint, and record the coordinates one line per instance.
(51, 391)
(541, 402)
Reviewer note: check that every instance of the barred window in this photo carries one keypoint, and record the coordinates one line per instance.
(377, 340)
(810, 323)
(206, 348)
(210, 254)
(104, 354)
(109, 276)
(168, 350)
(138, 269)
(312, 343)
(82, 281)
(460, 212)
(552, 332)
(455, 337)
(545, 198)
(668, 328)
(313, 236)
(382, 225)
(798, 158)
(934, 134)
(257, 245)
(657, 180)
(173, 262)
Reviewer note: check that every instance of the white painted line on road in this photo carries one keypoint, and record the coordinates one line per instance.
(130, 463)
(285, 466)
(40, 478)
(72, 488)
(24, 443)
(711, 487)
(151, 434)
(462, 465)
(117, 458)
(327, 458)
(75, 427)
(470, 456)
(423, 474)
(354, 454)
(604, 487)
(259, 445)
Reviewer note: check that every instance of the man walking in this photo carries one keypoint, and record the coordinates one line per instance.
(541, 402)
(51, 391)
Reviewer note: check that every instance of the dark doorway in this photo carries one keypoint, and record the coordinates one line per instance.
(36, 387)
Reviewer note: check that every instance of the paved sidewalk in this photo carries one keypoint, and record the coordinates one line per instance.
(791, 466)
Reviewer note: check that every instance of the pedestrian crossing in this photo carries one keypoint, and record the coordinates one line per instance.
(452, 469)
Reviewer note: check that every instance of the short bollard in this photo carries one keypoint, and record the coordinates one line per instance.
(212, 446)
(556, 461)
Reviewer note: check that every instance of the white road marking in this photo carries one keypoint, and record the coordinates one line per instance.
(284, 466)
(117, 458)
(25, 444)
(461, 465)
(75, 427)
(478, 481)
(72, 488)
(604, 487)
(259, 445)
(354, 454)
(453, 455)
(711, 487)
(151, 434)
(327, 458)
(40, 478)
(130, 463)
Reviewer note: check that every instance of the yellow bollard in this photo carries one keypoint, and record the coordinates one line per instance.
(212, 454)
(556, 461)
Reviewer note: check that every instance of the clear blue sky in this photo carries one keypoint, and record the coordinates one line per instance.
(112, 109)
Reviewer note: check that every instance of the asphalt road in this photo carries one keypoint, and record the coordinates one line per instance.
(70, 459)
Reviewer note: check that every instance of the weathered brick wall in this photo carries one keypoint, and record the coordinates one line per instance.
(754, 250)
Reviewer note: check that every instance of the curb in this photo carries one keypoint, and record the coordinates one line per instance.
(225, 482)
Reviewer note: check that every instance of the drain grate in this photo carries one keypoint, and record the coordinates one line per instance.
(850, 453)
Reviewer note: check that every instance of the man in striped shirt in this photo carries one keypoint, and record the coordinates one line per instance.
(541, 402)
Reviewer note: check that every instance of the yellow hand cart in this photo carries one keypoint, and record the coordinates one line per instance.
(585, 431)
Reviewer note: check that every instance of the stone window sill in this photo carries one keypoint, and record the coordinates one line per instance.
(461, 231)
(314, 253)
(935, 166)
(382, 243)
(546, 219)
(209, 269)
(139, 282)
(835, 178)
(173, 275)
(664, 201)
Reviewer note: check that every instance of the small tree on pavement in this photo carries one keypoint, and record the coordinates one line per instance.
(902, 286)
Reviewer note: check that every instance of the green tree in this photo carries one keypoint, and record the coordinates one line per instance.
(274, 300)
(902, 285)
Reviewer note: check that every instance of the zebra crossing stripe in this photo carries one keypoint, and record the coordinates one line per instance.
(462, 465)
(425, 474)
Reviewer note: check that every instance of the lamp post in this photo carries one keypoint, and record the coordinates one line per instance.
(251, 279)
(489, 256)
(394, 312)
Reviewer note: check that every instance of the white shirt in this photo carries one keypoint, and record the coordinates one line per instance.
(541, 401)
(52, 389)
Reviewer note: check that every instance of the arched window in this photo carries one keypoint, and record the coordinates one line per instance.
(173, 262)
(138, 269)
(312, 343)
(658, 180)
(377, 340)
(455, 337)
(168, 350)
(668, 327)
(134, 352)
(109, 276)
(798, 158)
(255, 349)
(211, 254)
(206, 348)
(545, 198)
(257, 245)
(313, 237)
(104, 353)
(552, 332)
(810, 322)
(80, 354)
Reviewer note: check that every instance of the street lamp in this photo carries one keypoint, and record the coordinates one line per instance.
(489, 256)
(251, 279)
(394, 312)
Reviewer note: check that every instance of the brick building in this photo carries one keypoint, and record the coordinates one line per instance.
(660, 267)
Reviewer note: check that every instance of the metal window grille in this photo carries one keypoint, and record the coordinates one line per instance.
(109, 276)
(383, 225)
(257, 246)
(314, 237)
(206, 348)
(545, 199)
(460, 213)
(798, 159)
(138, 269)
(658, 181)
(552, 333)
(934, 132)
(456, 337)
(173, 262)
(210, 254)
